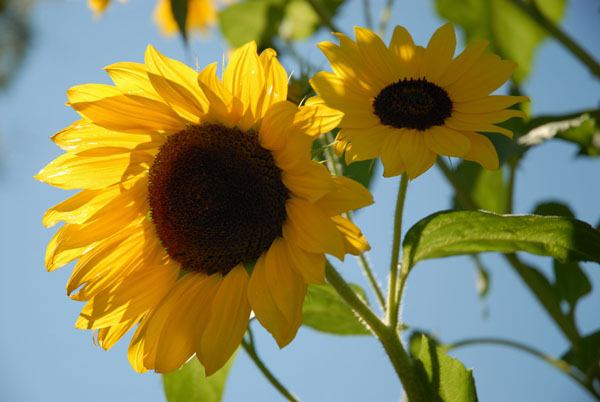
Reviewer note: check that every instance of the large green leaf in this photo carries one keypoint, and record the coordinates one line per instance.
(581, 129)
(450, 233)
(486, 187)
(301, 20)
(189, 384)
(512, 33)
(180, 10)
(325, 311)
(447, 378)
(585, 355)
(251, 20)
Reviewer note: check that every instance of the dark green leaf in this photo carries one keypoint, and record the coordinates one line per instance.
(189, 384)
(553, 208)
(512, 33)
(486, 187)
(585, 355)
(362, 171)
(571, 282)
(325, 311)
(450, 233)
(180, 10)
(256, 20)
(446, 378)
(581, 129)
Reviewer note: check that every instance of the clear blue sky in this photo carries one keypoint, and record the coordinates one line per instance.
(44, 358)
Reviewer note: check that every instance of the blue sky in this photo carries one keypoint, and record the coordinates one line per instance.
(44, 358)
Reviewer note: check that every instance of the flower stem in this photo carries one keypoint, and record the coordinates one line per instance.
(249, 348)
(558, 363)
(386, 335)
(334, 166)
(531, 9)
(392, 305)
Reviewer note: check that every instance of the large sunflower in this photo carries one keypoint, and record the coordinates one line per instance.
(187, 181)
(409, 104)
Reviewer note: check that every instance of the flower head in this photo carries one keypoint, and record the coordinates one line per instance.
(187, 181)
(409, 104)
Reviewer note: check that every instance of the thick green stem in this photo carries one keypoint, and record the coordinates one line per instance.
(392, 305)
(249, 348)
(386, 335)
(558, 363)
(531, 9)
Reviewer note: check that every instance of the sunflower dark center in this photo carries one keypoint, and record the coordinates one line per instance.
(415, 104)
(216, 197)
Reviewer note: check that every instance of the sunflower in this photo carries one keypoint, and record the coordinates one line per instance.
(409, 104)
(201, 15)
(200, 203)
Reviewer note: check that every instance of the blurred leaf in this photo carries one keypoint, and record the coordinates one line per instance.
(301, 20)
(553, 208)
(180, 10)
(482, 283)
(189, 384)
(325, 311)
(15, 35)
(582, 129)
(450, 233)
(512, 33)
(257, 20)
(570, 282)
(447, 377)
(586, 354)
(486, 187)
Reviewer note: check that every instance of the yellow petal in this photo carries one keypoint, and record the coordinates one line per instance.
(107, 337)
(346, 195)
(490, 117)
(462, 125)
(177, 84)
(482, 151)
(377, 57)
(485, 76)
(316, 117)
(70, 171)
(230, 312)
(439, 52)
(415, 154)
(222, 106)
(57, 255)
(404, 48)
(365, 144)
(354, 241)
(109, 107)
(311, 266)
(391, 155)
(295, 152)
(129, 297)
(445, 141)
(180, 337)
(311, 181)
(311, 229)
(276, 82)
(462, 63)
(273, 130)
(275, 277)
(339, 94)
(132, 78)
(487, 104)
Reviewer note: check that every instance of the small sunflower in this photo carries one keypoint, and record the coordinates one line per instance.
(409, 104)
(187, 181)
(201, 15)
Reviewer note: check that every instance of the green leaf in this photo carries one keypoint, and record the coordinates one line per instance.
(450, 233)
(325, 311)
(581, 129)
(180, 10)
(570, 282)
(446, 378)
(301, 20)
(256, 20)
(512, 33)
(361, 172)
(189, 384)
(585, 355)
(486, 187)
